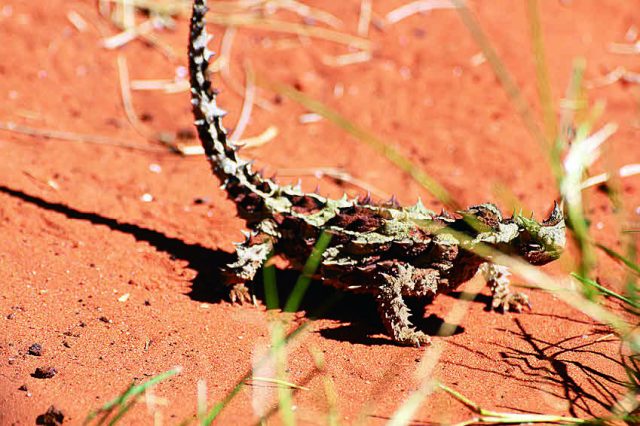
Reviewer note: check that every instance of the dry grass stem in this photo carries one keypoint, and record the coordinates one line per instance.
(129, 34)
(247, 104)
(244, 20)
(618, 74)
(265, 137)
(42, 181)
(364, 20)
(337, 175)
(168, 86)
(74, 137)
(305, 11)
(624, 171)
(310, 117)
(77, 21)
(166, 8)
(419, 6)
(223, 65)
(125, 92)
(347, 58)
(625, 49)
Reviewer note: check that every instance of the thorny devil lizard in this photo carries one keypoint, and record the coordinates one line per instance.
(381, 249)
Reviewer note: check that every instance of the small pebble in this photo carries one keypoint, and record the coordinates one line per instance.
(45, 372)
(51, 417)
(105, 320)
(146, 197)
(155, 168)
(35, 349)
(200, 200)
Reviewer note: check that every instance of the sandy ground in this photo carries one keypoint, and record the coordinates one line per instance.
(85, 226)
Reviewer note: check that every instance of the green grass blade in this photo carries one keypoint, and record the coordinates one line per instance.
(270, 287)
(605, 290)
(612, 253)
(278, 382)
(309, 269)
(542, 71)
(215, 411)
(391, 153)
(508, 83)
(124, 401)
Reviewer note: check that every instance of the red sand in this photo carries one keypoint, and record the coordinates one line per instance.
(69, 253)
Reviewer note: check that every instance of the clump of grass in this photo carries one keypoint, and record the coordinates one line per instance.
(113, 411)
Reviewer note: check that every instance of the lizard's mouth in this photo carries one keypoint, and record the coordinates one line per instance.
(539, 254)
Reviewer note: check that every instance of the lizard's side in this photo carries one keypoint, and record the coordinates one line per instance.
(382, 249)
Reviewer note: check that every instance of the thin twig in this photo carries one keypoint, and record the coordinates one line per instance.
(364, 20)
(338, 175)
(624, 171)
(224, 66)
(247, 104)
(625, 49)
(277, 382)
(419, 6)
(129, 34)
(618, 74)
(263, 138)
(125, 92)
(77, 21)
(308, 12)
(292, 28)
(168, 86)
(74, 137)
(347, 58)
(496, 417)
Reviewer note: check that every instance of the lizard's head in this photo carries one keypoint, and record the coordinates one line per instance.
(540, 243)
(537, 242)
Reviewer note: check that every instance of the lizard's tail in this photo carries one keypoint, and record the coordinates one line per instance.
(246, 187)
(208, 117)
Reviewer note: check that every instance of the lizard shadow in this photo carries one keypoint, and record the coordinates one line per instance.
(204, 260)
(357, 313)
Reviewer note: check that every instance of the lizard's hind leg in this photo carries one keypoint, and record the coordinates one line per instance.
(251, 255)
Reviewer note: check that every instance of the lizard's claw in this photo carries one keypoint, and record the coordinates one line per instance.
(239, 293)
(411, 337)
(511, 302)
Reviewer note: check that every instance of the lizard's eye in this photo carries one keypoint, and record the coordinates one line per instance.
(534, 246)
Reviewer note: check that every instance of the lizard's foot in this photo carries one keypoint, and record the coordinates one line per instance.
(411, 337)
(239, 293)
(510, 302)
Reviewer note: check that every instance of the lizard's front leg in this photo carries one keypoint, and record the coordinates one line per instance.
(497, 277)
(394, 312)
(251, 255)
